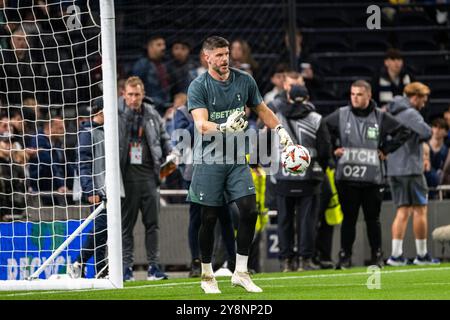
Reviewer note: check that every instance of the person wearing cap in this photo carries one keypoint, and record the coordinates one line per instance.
(406, 175)
(360, 137)
(298, 195)
(91, 160)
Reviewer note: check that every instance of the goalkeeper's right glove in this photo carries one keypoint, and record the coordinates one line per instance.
(285, 138)
(235, 123)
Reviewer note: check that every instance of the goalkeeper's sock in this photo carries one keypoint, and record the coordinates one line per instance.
(207, 269)
(241, 263)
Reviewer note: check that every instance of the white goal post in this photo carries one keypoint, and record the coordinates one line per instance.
(47, 271)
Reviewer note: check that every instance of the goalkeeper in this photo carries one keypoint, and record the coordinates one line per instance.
(91, 159)
(216, 100)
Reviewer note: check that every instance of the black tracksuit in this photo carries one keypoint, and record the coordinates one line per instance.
(353, 194)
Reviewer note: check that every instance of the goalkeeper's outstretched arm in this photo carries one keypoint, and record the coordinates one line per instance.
(272, 122)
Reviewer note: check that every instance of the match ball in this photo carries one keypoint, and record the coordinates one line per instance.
(295, 159)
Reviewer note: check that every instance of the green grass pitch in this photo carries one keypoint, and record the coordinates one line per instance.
(412, 282)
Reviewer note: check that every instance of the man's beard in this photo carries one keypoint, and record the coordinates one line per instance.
(217, 69)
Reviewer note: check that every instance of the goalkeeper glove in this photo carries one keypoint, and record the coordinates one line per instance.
(285, 139)
(235, 123)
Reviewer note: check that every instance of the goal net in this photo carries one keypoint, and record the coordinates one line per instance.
(57, 71)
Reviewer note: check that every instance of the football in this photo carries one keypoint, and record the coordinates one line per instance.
(295, 159)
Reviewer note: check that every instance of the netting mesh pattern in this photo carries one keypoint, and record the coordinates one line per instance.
(50, 77)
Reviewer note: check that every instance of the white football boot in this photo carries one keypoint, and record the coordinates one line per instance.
(243, 280)
(209, 284)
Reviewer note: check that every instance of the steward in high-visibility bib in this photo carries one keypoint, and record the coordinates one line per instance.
(298, 194)
(359, 134)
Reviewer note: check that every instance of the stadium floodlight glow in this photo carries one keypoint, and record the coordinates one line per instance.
(37, 247)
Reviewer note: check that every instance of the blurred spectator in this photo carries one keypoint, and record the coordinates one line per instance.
(17, 128)
(298, 195)
(446, 172)
(32, 115)
(301, 55)
(447, 120)
(12, 184)
(277, 79)
(179, 66)
(196, 71)
(19, 70)
(405, 171)
(47, 165)
(241, 57)
(175, 179)
(143, 146)
(437, 153)
(290, 78)
(303, 63)
(4, 30)
(4, 125)
(179, 100)
(121, 87)
(153, 72)
(391, 79)
(362, 136)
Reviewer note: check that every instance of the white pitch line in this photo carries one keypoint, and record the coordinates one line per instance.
(191, 283)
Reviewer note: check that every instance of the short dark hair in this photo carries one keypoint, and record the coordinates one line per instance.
(281, 68)
(440, 123)
(154, 37)
(393, 54)
(362, 84)
(15, 112)
(184, 42)
(215, 42)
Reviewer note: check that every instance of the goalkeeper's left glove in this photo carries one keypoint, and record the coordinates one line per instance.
(285, 139)
(235, 123)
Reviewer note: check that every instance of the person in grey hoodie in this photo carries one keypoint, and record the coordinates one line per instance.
(405, 170)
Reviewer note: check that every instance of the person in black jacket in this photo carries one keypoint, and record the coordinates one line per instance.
(143, 147)
(298, 195)
(359, 135)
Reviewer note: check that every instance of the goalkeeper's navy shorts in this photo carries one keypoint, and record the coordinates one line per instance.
(217, 184)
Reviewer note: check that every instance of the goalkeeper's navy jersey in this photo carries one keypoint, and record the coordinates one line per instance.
(221, 99)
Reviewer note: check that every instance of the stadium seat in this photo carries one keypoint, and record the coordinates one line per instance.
(326, 94)
(413, 18)
(419, 45)
(440, 93)
(356, 69)
(331, 46)
(437, 69)
(331, 21)
(371, 45)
